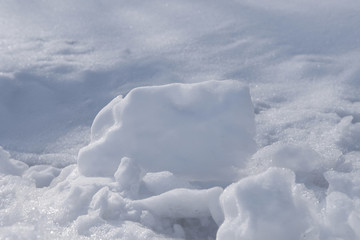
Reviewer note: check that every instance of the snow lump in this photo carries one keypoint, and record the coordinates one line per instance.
(200, 131)
(265, 206)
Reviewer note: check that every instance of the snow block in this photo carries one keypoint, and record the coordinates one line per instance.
(201, 131)
(184, 203)
(264, 206)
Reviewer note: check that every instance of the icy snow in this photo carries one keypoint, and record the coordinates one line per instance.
(155, 68)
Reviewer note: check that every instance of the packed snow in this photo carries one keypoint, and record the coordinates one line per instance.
(180, 120)
(202, 131)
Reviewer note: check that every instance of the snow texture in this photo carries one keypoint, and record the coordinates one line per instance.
(170, 149)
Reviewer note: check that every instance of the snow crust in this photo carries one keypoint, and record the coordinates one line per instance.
(296, 76)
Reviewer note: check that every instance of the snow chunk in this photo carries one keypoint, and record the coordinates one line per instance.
(184, 203)
(128, 177)
(170, 211)
(264, 206)
(76, 193)
(9, 165)
(202, 131)
(107, 204)
(161, 182)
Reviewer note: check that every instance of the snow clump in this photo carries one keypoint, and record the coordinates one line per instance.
(262, 206)
(201, 131)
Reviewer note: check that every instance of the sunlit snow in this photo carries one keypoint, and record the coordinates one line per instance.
(180, 119)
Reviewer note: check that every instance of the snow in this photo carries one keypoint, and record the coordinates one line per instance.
(128, 176)
(261, 206)
(160, 182)
(202, 131)
(183, 203)
(42, 175)
(103, 103)
(9, 165)
(306, 163)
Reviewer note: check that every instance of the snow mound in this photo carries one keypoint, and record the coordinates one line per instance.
(201, 131)
(262, 206)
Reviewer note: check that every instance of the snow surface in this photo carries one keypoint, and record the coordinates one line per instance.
(63, 61)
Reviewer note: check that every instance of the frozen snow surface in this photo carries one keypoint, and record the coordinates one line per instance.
(180, 119)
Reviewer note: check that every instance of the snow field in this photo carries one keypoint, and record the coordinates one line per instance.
(62, 61)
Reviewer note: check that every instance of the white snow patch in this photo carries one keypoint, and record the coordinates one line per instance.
(62, 61)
